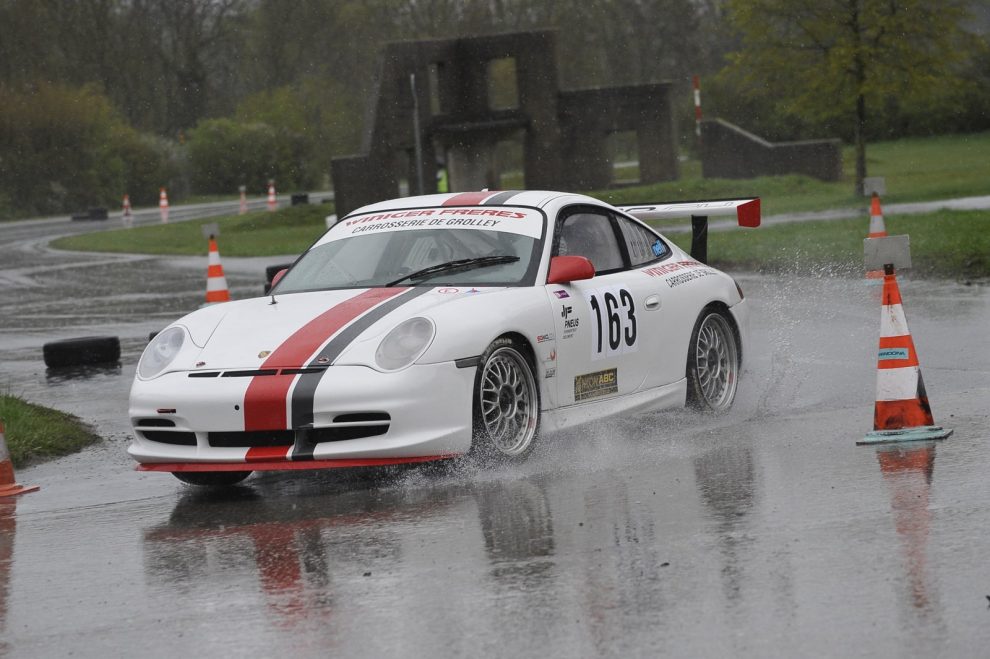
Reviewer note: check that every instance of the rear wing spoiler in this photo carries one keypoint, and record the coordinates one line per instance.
(747, 212)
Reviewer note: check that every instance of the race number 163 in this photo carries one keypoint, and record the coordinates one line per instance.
(613, 321)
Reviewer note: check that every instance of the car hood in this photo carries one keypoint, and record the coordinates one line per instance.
(295, 331)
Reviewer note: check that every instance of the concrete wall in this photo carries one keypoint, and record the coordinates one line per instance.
(563, 133)
(728, 151)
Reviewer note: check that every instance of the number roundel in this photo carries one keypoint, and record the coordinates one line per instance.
(614, 329)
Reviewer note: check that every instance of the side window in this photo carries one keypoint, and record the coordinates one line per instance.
(590, 235)
(642, 244)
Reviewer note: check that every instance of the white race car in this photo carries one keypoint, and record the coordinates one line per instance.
(432, 327)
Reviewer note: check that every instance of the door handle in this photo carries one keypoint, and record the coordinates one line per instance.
(653, 302)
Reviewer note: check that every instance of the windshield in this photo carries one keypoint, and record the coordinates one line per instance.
(430, 247)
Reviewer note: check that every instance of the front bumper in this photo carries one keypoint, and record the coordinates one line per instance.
(184, 423)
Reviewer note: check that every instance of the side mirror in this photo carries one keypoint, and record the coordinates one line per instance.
(279, 275)
(564, 269)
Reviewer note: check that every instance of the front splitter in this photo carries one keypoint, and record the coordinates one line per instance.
(281, 465)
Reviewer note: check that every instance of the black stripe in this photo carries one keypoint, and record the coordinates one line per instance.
(501, 198)
(305, 390)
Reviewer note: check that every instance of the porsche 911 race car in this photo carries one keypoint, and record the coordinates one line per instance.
(432, 327)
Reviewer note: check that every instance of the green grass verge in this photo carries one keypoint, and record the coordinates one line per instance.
(36, 433)
(947, 243)
(915, 169)
(262, 233)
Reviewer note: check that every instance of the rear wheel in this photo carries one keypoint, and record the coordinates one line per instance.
(211, 478)
(713, 363)
(506, 403)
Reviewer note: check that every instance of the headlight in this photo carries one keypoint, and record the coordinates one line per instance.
(160, 352)
(404, 344)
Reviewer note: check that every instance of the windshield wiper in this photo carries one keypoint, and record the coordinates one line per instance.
(458, 265)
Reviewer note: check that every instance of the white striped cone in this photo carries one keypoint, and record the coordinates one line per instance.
(8, 484)
(216, 282)
(901, 398)
(877, 230)
(163, 205)
(272, 201)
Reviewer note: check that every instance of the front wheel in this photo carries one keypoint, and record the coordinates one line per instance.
(211, 478)
(713, 363)
(506, 403)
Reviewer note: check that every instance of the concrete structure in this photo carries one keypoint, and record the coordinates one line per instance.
(728, 151)
(443, 95)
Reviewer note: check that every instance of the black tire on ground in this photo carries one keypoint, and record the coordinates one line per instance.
(211, 478)
(83, 351)
(713, 362)
(506, 406)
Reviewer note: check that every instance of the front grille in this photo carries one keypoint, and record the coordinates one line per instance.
(362, 417)
(168, 437)
(252, 438)
(258, 372)
(155, 423)
(257, 438)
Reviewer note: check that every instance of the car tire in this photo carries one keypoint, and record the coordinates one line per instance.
(84, 351)
(713, 362)
(506, 407)
(211, 478)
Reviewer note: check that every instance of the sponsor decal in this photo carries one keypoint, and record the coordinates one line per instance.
(474, 290)
(448, 290)
(593, 385)
(513, 219)
(667, 268)
(561, 294)
(198, 364)
(657, 248)
(264, 353)
(565, 311)
(894, 353)
(543, 338)
(551, 373)
(685, 277)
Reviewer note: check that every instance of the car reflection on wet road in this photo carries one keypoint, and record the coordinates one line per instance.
(763, 532)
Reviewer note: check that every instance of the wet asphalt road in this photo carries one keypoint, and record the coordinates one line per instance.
(765, 532)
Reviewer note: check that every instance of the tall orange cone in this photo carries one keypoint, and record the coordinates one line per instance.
(216, 282)
(272, 200)
(877, 229)
(163, 205)
(902, 412)
(8, 485)
(126, 215)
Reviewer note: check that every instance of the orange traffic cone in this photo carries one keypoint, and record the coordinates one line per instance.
(272, 202)
(877, 230)
(163, 205)
(902, 412)
(127, 216)
(216, 282)
(8, 486)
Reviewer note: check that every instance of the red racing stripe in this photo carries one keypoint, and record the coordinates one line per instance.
(265, 400)
(468, 198)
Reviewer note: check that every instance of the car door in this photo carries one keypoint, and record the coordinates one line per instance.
(599, 322)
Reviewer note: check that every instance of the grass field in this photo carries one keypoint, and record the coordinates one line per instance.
(950, 244)
(36, 433)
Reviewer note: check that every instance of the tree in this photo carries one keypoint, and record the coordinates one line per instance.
(843, 60)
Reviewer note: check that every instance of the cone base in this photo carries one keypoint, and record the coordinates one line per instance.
(921, 433)
(15, 489)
